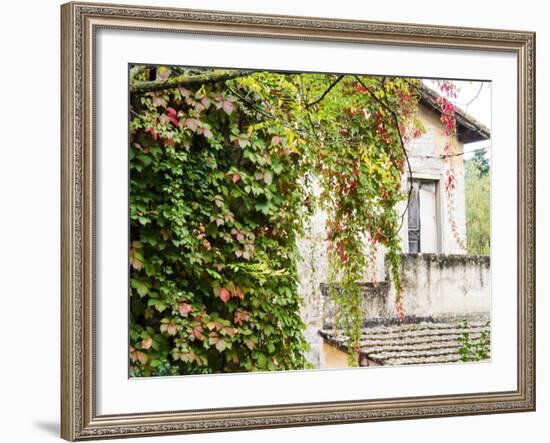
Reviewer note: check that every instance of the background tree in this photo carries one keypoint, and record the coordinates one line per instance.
(481, 162)
(478, 204)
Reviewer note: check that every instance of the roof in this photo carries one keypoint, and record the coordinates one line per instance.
(413, 343)
(469, 130)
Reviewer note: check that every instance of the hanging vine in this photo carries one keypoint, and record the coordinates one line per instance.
(448, 119)
(361, 164)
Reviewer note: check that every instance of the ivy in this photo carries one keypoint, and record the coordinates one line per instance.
(223, 179)
(474, 349)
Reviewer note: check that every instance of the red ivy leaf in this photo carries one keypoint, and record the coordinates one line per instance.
(136, 264)
(172, 114)
(205, 102)
(224, 295)
(153, 133)
(171, 329)
(158, 101)
(228, 107)
(213, 338)
(207, 133)
(241, 316)
(185, 308)
(197, 332)
(192, 123)
(238, 292)
(173, 119)
(228, 331)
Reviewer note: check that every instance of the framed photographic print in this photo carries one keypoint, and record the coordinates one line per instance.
(282, 221)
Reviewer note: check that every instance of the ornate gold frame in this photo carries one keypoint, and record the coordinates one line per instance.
(79, 21)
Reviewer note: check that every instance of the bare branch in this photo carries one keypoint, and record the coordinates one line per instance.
(474, 98)
(332, 85)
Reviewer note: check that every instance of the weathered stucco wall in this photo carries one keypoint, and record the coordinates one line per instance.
(375, 303)
(444, 286)
(435, 287)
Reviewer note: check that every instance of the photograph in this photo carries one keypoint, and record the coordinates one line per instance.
(284, 220)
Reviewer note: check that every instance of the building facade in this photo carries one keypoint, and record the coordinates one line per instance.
(442, 284)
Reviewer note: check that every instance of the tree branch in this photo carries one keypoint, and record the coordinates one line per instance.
(183, 81)
(332, 85)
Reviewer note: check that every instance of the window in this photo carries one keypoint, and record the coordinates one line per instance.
(423, 220)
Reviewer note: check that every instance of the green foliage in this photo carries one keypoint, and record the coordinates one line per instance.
(481, 162)
(474, 349)
(478, 206)
(221, 181)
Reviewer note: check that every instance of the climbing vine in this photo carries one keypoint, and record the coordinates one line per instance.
(222, 170)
